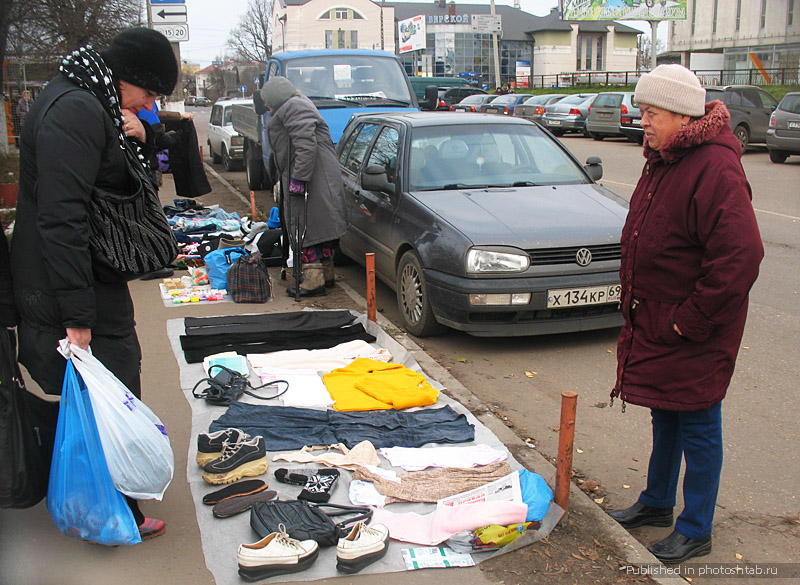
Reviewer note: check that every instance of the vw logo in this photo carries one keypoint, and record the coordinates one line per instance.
(583, 257)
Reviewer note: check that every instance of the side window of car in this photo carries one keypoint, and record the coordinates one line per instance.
(733, 98)
(347, 144)
(384, 153)
(359, 149)
(750, 98)
(767, 100)
(273, 70)
(216, 116)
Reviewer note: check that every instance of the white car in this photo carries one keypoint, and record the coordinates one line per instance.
(224, 143)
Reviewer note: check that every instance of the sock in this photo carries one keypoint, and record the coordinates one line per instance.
(319, 486)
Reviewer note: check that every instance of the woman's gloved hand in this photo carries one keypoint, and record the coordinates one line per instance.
(297, 187)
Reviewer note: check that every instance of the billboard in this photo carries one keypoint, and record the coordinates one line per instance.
(622, 9)
(411, 33)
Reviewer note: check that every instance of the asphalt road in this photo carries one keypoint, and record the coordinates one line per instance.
(758, 514)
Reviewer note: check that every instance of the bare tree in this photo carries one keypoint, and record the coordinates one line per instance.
(251, 40)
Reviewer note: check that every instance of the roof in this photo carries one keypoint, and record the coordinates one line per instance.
(553, 22)
(322, 52)
(426, 119)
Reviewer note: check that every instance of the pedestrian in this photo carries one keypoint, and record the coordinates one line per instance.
(21, 111)
(75, 138)
(306, 162)
(690, 254)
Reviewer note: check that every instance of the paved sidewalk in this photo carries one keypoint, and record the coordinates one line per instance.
(33, 552)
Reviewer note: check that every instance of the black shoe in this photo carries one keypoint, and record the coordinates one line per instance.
(211, 445)
(244, 459)
(160, 273)
(677, 548)
(305, 293)
(641, 515)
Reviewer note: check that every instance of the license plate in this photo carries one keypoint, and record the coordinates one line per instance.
(554, 122)
(636, 122)
(794, 124)
(491, 110)
(575, 297)
(605, 115)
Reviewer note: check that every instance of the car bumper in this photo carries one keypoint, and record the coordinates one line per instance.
(632, 131)
(605, 129)
(791, 145)
(449, 297)
(237, 152)
(568, 124)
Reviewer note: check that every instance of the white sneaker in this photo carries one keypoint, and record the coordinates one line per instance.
(275, 554)
(363, 546)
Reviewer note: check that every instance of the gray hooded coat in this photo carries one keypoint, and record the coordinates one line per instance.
(296, 124)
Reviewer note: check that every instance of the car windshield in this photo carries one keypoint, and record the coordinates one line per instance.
(575, 99)
(506, 99)
(790, 103)
(227, 119)
(473, 99)
(350, 78)
(487, 155)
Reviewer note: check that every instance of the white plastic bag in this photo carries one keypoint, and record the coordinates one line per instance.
(134, 440)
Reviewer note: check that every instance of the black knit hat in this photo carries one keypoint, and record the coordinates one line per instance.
(143, 57)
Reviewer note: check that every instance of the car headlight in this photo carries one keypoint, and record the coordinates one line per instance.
(481, 261)
(237, 140)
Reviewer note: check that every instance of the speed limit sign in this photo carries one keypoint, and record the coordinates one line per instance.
(174, 32)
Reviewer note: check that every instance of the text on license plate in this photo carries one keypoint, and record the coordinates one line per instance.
(794, 124)
(554, 122)
(491, 110)
(636, 122)
(590, 295)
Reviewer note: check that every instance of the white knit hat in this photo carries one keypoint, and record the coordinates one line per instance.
(673, 88)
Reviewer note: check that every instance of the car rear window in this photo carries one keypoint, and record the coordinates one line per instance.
(790, 103)
(607, 100)
(714, 94)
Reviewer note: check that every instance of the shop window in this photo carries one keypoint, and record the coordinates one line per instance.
(599, 54)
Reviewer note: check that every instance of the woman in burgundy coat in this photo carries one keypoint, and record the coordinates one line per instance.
(690, 254)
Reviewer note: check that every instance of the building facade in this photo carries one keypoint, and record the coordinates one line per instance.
(740, 35)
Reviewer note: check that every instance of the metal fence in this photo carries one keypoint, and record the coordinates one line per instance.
(785, 76)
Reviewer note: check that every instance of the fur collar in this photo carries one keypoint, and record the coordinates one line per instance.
(693, 134)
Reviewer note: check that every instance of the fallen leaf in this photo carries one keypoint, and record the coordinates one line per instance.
(599, 500)
(531, 374)
(462, 360)
(579, 557)
(609, 351)
(556, 429)
(745, 347)
(590, 485)
(689, 579)
(627, 487)
(579, 450)
(738, 556)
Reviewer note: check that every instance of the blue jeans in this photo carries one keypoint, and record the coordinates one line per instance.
(697, 437)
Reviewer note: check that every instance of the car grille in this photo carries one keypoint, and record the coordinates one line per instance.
(542, 315)
(600, 253)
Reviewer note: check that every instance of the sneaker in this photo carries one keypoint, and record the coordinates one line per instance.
(363, 546)
(242, 459)
(211, 445)
(275, 554)
(151, 528)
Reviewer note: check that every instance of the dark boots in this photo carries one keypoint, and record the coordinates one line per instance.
(328, 272)
(312, 281)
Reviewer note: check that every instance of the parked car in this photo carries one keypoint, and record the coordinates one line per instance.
(452, 95)
(783, 134)
(505, 104)
(750, 108)
(202, 101)
(225, 144)
(485, 224)
(568, 115)
(191, 100)
(533, 108)
(473, 102)
(631, 126)
(606, 112)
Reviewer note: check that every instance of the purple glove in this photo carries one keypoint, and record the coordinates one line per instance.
(297, 187)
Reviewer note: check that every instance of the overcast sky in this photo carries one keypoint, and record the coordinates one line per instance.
(210, 22)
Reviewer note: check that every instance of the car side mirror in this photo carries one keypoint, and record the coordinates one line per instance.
(431, 98)
(374, 179)
(594, 168)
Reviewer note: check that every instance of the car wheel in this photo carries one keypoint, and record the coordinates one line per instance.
(412, 298)
(215, 158)
(254, 167)
(777, 156)
(743, 136)
(596, 136)
(558, 133)
(227, 162)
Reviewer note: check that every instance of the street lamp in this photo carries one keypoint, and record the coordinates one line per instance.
(282, 20)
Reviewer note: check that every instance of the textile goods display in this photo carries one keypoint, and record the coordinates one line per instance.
(372, 385)
(81, 497)
(412, 459)
(27, 432)
(249, 281)
(321, 360)
(307, 520)
(228, 325)
(433, 485)
(362, 454)
(287, 428)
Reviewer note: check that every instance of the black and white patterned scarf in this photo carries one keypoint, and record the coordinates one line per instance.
(85, 68)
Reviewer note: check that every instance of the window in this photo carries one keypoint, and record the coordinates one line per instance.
(341, 13)
(694, 14)
(216, 116)
(599, 66)
(384, 153)
(326, 16)
(767, 100)
(738, 14)
(716, 10)
(790, 14)
(356, 155)
(353, 40)
(763, 13)
(341, 39)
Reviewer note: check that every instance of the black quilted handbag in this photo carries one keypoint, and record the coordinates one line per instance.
(305, 520)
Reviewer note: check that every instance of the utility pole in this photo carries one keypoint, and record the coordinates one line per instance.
(496, 54)
(383, 3)
(653, 42)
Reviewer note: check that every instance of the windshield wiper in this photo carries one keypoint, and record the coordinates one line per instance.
(331, 99)
(391, 101)
(525, 184)
(452, 186)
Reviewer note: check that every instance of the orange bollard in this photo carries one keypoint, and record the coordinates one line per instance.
(201, 152)
(566, 438)
(371, 301)
(252, 206)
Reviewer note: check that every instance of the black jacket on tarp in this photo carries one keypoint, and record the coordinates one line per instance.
(185, 163)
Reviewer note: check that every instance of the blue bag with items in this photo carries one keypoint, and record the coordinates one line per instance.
(219, 262)
(536, 493)
(81, 497)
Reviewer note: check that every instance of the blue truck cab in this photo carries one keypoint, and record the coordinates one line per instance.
(340, 82)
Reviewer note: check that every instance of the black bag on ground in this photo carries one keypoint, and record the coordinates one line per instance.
(249, 281)
(269, 244)
(305, 520)
(27, 433)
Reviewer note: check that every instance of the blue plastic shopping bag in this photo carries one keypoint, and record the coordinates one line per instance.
(81, 496)
(219, 262)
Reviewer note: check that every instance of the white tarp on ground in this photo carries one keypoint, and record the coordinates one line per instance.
(222, 537)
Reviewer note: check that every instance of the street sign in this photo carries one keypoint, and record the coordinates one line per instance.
(167, 13)
(486, 23)
(243, 88)
(176, 33)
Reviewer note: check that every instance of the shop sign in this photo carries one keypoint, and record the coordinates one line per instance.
(448, 19)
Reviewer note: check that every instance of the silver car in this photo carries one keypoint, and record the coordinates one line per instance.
(606, 113)
(568, 115)
(783, 133)
(485, 224)
(533, 108)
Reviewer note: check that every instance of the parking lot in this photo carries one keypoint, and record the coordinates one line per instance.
(522, 378)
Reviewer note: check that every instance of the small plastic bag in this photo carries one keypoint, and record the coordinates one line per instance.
(81, 497)
(134, 440)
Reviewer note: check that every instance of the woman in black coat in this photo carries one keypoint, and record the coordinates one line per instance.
(73, 140)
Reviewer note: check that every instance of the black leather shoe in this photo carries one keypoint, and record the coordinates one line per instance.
(677, 548)
(641, 515)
